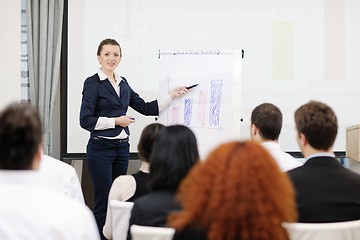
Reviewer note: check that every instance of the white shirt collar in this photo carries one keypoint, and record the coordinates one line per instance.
(103, 76)
(320, 154)
(271, 145)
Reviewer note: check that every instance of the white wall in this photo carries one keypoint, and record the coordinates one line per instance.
(295, 51)
(10, 27)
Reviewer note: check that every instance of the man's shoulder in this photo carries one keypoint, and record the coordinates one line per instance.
(53, 165)
(284, 159)
(72, 217)
(65, 217)
(297, 170)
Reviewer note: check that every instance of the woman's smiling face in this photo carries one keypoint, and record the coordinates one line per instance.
(110, 57)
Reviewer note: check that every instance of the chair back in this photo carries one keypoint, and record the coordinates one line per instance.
(120, 216)
(151, 233)
(349, 230)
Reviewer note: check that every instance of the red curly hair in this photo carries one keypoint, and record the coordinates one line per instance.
(238, 192)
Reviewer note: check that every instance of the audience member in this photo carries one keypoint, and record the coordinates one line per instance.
(175, 152)
(326, 191)
(62, 177)
(29, 209)
(266, 124)
(238, 192)
(131, 187)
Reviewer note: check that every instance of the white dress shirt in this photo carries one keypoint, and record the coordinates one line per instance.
(30, 210)
(286, 161)
(62, 177)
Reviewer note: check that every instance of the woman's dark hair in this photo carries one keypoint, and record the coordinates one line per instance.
(175, 152)
(147, 140)
(108, 41)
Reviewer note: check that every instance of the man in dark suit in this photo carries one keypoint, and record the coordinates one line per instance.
(326, 191)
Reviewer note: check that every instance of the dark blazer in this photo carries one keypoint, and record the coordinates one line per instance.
(153, 209)
(100, 100)
(326, 191)
(190, 233)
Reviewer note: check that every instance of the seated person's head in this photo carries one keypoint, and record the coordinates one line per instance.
(20, 137)
(175, 152)
(237, 192)
(147, 139)
(316, 122)
(266, 122)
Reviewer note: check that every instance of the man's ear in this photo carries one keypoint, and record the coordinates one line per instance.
(37, 157)
(253, 129)
(302, 140)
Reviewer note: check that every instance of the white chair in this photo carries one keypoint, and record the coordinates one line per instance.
(120, 215)
(151, 233)
(324, 231)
